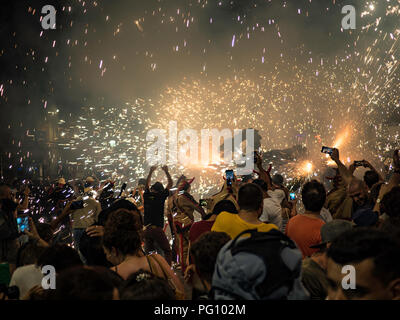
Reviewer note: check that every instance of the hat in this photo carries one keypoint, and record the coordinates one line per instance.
(61, 181)
(332, 230)
(277, 179)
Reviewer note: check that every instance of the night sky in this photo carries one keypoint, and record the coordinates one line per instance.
(108, 53)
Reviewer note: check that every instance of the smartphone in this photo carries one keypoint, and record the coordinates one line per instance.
(229, 177)
(76, 205)
(292, 196)
(359, 163)
(203, 202)
(327, 150)
(23, 223)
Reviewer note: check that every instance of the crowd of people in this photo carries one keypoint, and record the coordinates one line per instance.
(247, 242)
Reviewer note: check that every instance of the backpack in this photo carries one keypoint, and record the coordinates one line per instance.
(264, 266)
(8, 226)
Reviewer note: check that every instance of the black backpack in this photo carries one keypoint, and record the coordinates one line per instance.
(269, 247)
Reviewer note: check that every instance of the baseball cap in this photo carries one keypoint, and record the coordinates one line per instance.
(61, 181)
(332, 230)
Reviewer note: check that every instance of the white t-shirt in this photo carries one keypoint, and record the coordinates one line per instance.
(272, 212)
(25, 278)
(326, 215)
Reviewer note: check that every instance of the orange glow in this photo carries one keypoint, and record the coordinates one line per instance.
(307, 167)
(343, 136)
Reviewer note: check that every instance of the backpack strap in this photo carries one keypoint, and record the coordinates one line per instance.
(248, 231)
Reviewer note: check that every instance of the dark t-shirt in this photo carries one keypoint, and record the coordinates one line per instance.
(154, 207)
(364, 216)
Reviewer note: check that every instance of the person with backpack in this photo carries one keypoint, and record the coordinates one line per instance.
(258, 266)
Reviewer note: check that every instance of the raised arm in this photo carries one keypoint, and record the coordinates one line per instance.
(346, 175)
(66, 211)
(25, 203)
(264, 175)
(169, 185)
(393, 182)
(148, 180)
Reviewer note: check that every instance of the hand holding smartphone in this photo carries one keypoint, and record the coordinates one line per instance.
(358, 163)
(23, 223)
(327, 150)
(229, 177)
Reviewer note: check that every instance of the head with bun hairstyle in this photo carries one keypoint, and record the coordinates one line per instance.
(122, 235)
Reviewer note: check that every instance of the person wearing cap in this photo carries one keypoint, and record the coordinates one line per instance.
(314, 268)
(89, 184)
(274, 197)
(154, 204)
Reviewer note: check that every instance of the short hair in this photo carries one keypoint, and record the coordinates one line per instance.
(123, 231)
(363, 243)
(29, 253)
(370, 178)
(224, 205)
(119, 204)
(390, 203)
(262, 184)
(250, 197)
(45, 231)
(84, 283)
(143, 285)
(92, 250)
(204, 252)
(313, 196)
(60, 256)
(157, 187)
